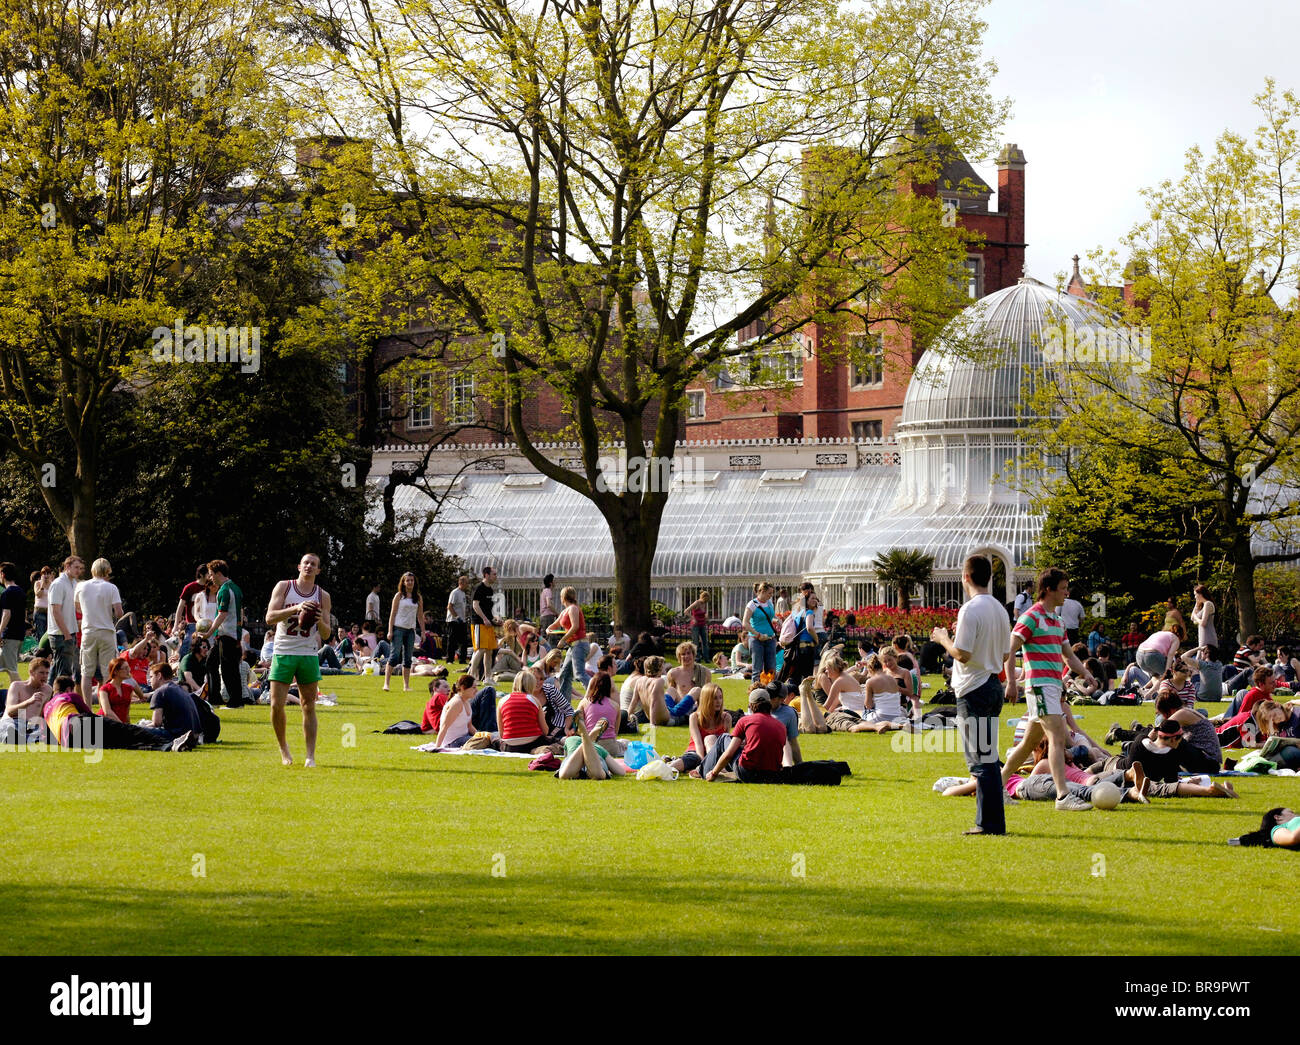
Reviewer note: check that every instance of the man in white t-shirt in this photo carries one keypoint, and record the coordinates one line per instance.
(1072, 618)
(978, 651)
(101, 605)
(373, 609)
(457, 638)
(63, 626)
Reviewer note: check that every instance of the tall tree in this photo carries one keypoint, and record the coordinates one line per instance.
(134, 136)
(904, 569)
(1202, 374)
(609, 193)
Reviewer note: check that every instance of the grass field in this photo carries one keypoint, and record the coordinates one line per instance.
(384, 850)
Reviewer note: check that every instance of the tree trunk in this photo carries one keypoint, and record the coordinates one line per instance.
(1243, 583)
(634, 552)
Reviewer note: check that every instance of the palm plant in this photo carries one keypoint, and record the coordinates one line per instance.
(904, 569)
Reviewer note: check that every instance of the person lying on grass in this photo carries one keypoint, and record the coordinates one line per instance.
(757, 744)
(1040, 787)
(584, 759)
(707, 724)
(1199, 749)
(1161, 759)
(1280, 828)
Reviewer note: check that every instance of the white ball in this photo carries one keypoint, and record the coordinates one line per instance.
(204, 624)
(1106, 795)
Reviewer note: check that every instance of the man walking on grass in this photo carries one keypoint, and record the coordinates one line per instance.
(1041, 633)
(978, 652)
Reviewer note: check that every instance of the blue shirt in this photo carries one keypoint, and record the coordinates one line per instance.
(762, 619)
(789, 718)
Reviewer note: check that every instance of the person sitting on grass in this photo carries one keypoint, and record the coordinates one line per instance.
(599, 706)
(789, 718)
(559, 705)
(510, 653)
(1251, 729)
(521, 715)
(904, 678)
(1161, 759)
(739, 663)
(884, 701)
(686, 678)
(845, 700)
(757, 744)
(116, 694)
(1264, 685)
(23, 719)
(193, 668)
(456, 723)
(174, 711)
(439, 696)
(707, 723)
(71, 722)
(1280, 828)
(648, 705)
(584, 759)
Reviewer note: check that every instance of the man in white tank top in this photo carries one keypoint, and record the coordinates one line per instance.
(295, 657)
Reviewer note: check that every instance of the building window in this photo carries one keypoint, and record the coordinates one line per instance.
(868, 353)
(460, 399)
(694, 404)
(774, 364)
(867, 430)
(385, 402)
(420, 402)
(974, 278)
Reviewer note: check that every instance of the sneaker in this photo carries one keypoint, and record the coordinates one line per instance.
(1110, 737)
(1073, 804)
(185, 742)
(1007, 800)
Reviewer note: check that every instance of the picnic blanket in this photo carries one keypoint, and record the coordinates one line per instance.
(433, 749)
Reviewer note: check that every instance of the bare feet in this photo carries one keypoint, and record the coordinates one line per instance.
(1223, 790)
(286, 759)
(309, 763)
(1140, 784)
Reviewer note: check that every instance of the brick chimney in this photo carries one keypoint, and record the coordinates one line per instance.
(1011, 192)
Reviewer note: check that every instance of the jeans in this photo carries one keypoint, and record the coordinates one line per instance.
(763, 653)
(574, 664)
(977, 720)
(1153, 662)
(382, 649)
(403, 648)
(714, 756)
(187, 638)
(329, 658)
(483, 710)
(41, 620)
(457, 641)
(700, 636)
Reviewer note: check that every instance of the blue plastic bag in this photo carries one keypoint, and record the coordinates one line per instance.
(638, 754)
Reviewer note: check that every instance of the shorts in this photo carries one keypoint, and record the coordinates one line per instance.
(842, 720)
(1045, 701)
(9, 650)
(305, 670)
(485, 638)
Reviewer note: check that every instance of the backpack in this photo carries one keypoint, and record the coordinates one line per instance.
(824, 772)
(791, 628)
(405, 726)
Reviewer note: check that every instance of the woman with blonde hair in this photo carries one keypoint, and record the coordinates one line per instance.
(707, 723)
(521, 715)
(510, 654)
(904, 678)
(571, 626)
(884, 700)
(845, 700)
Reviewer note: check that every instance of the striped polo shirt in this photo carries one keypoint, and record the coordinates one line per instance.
(1043, 634)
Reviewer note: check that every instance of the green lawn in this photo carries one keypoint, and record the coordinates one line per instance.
(386, 850)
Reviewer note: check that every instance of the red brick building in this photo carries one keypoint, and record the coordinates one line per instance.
(831, 398)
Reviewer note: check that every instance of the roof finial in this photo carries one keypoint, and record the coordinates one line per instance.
(1075, 259)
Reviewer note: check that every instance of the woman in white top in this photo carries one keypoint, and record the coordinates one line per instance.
(884, 700)
(845, 701)
(1203, 618)
(405, 623)
(204, 603)
(456, 726)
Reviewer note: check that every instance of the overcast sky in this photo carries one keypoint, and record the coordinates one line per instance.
(1107, 96)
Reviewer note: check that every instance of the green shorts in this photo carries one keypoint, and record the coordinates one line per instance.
(304, 669)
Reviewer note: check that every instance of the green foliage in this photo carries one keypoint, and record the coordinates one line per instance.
(1278, 592)
(597, 614)
(1210, 395)
(664, 615)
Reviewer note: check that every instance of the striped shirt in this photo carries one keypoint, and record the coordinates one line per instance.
(1187, 694)
(1244, 657)
(1043, 636)
(559, 710)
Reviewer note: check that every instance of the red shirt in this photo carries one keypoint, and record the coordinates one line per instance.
(517, 717)
(187, 596)
(119, 699)
(139, 670)
(764, 740)
(432, 720)
(1252, 697)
